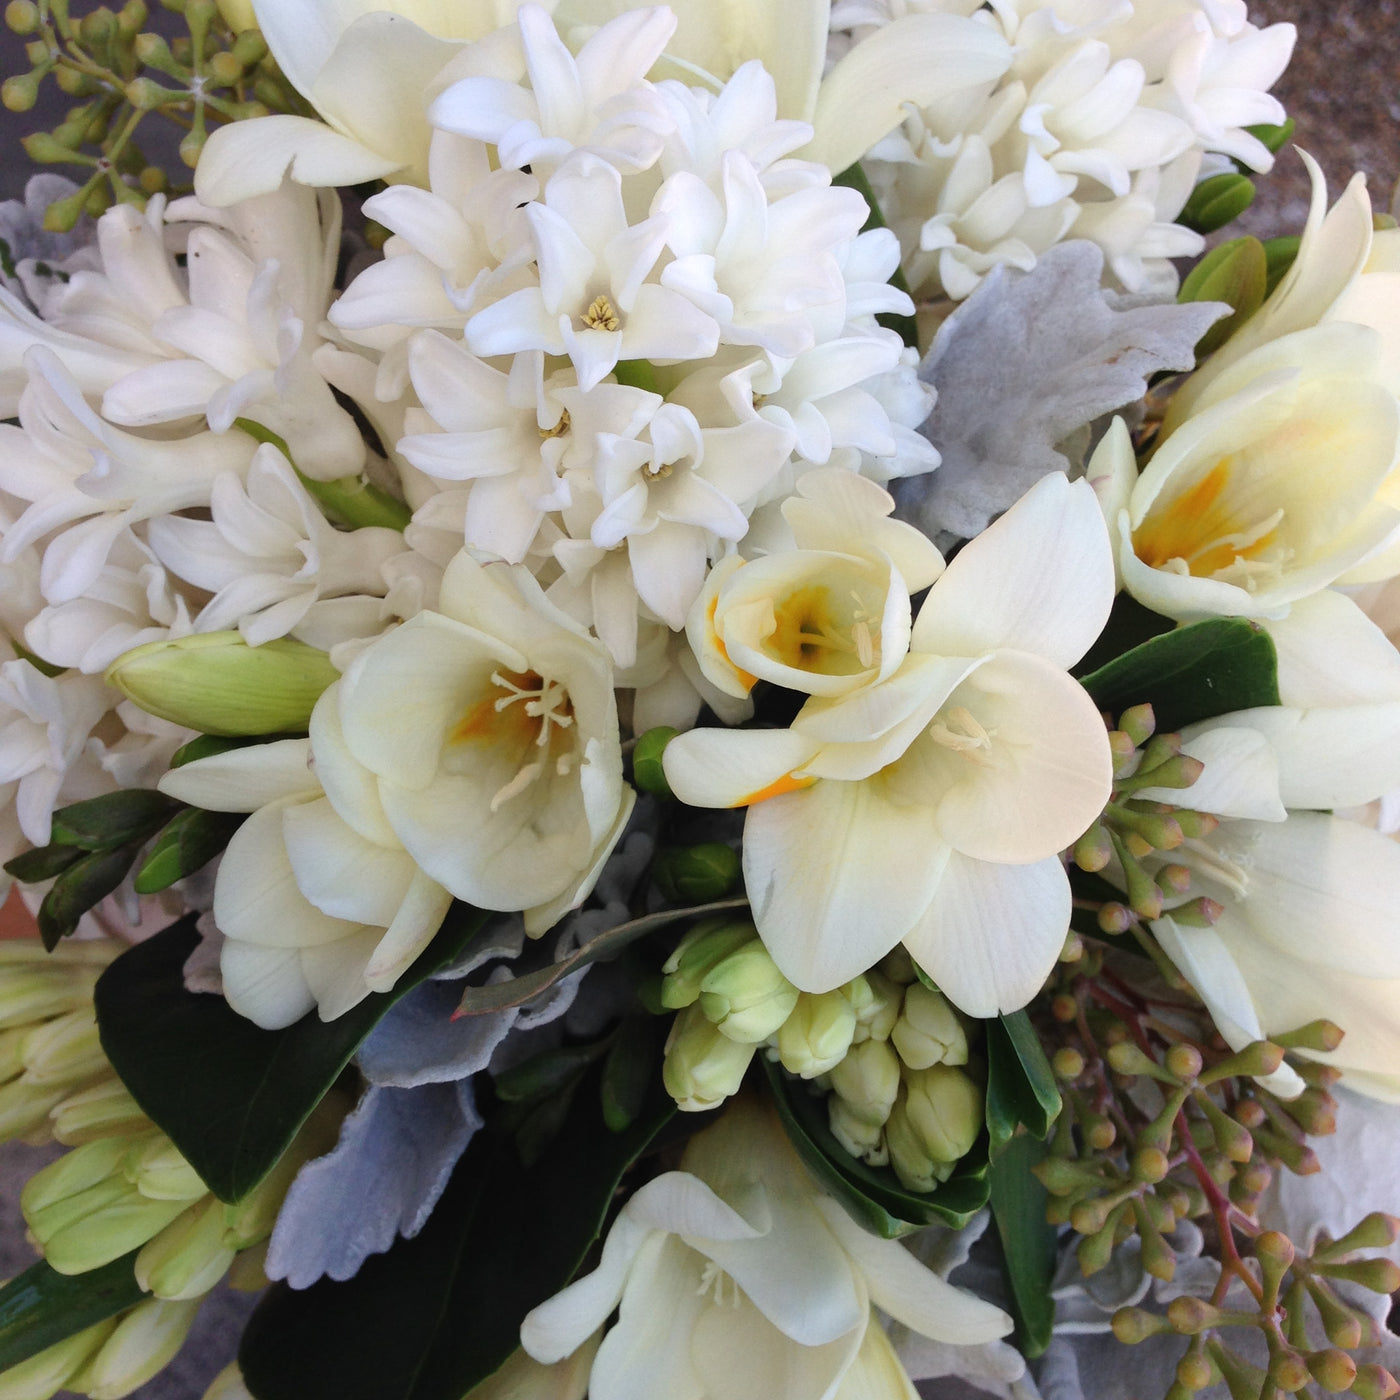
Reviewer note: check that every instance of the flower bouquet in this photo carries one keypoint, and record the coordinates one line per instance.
(696, 707)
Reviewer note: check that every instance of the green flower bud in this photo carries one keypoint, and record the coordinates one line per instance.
(944, 1107)
(51, 1369)
(915, 1168)
(745, 996)
(159, 1171)
(103, 1111)
(1217, 201)
(862, 1140)
(703, 946)
(20, 92)
(816, 1037)
(144, 1342)
(115, 1227)
(702, 1067)
(189, 1256)
(696, 874)
(876, 1001)
(25, 1108)
(73, 1173)
(52, 1220)
(22, 16)
(1236, 273)
(867, 1081)
(647, 772)
(216, 683)
(12, 1052)
(65, 1050)
(928, 1031)
(31, 995)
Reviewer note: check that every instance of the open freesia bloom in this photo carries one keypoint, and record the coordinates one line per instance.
(929, 806)
(739, 1279)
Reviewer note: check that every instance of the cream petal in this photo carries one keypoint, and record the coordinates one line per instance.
(837, 875)
(1241, 773)
(245, 779)
(991, 933)
(265, 985)
(733, 767)
(336, 972)
(352, 789)
(340, 872)
(415, 922)
(1040, 579)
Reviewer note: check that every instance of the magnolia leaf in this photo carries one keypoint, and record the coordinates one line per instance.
(229, 1094)
(42, 1307)
(873, 1196)
(499, 996)
(439, 1313)
(1020, 1083)
(1196, 672)
(1028, 1241)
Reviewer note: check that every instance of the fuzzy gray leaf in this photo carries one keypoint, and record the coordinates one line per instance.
(418, 1042)
(1029, 360)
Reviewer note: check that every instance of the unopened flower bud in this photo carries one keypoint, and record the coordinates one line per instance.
(65, 1050)
(160, 1172)
(188, 1257)
(816, 1036)
(876, 1000)
(110, 1220)
(216, 683)
(702, 948)
(915, 1168)
(228, 1385)
(702, 1067)
(238, 14)
(102, 1111)
(867, 1081)
(745, 996)
(28, 996)
(696, 874)
(50, 1370)
(143, 1343)
(944, 1106)
(859, 1138)
(928, 1031)
(72, 1174)
(648, 774)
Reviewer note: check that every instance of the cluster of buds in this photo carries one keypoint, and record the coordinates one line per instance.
(118, 73)
(887, 1047)
(1164, 1123)
(1132, 842)
(51, 1062)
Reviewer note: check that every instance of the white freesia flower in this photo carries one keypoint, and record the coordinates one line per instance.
(739, 1279)
(270, 558)
(930, 807)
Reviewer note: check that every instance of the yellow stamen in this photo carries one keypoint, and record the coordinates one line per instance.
(601, 316)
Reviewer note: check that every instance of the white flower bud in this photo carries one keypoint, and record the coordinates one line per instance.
(945, 1108)
(745, 996)
(144, 1342)
(867, 1082)
(102, 1111)
(876, 1001)
(160, 1172)
(915, 1168)
(816, 1037)
(928, 1031)
(859, 1138)
(702, 1066)
(696, 954)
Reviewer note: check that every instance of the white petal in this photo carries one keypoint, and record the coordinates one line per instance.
(1240, 777)
(244, 779)
(733, 767)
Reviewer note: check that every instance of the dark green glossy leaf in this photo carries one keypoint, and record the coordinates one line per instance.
(498, 996)
(113, 819)
(855, 178)
(1027, 1240)
(1129, 625)
(627, 1071)
(1194, 673)
(86, 882)
(43, 863)
(546, 1073)
(873, 1196)
(439, 1313)
(188, 844)
(41, 1307)
(1020, 1083)
(230, 1095)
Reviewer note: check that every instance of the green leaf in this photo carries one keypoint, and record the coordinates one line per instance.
(188, 844)
(230, 1095)
(114, 819)
(1020, 1083)
(855, 178)
(1236, 273)
(1215, 202)
(627, 1072)
(873, 1196)
(88, 881)
(1028, 1241)
(1194, 673)
(42, 1307)
(439, 1313)
(499, 996)
(1129, 625)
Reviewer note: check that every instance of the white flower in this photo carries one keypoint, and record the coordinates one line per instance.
(269, 556)
(930, 807)
(738, 1279)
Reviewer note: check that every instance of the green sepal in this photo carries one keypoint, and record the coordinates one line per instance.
(1236, 273)
(438, 1314)
(42, 1307)
(696, 874)
(648, 775)
(1196, 672)
(42, 863)
(88, 881)
(1280, 255)
(113, 819)
(230, 1095)
(853, 177)
(1274, 137)
(545, 1074)
(627, 1072)
(350, 501)
(188, 844)
(1020, 1083)
(873, 1196)
(1217, 201)
(1028, 1241)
